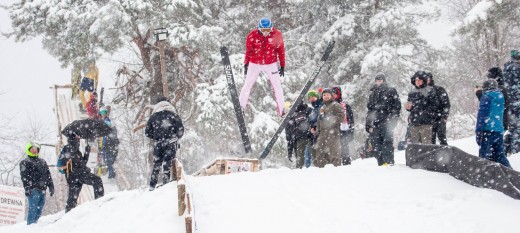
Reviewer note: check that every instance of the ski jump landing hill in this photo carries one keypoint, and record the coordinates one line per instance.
(361, 198)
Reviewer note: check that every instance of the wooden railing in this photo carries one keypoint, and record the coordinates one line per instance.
(185, 197)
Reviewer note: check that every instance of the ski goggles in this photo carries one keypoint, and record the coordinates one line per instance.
(265, 30)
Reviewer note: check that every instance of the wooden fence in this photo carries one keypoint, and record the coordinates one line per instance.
(185, 197)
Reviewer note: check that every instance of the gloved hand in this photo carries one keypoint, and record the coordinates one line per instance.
(27, 193)
(245, 68)
(281, 71)
(51, 191)
(87, 149)
(290, 157)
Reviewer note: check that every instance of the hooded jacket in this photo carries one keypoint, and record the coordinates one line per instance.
(35, 173)
(298, 126)
(491, 111)
(164, 123)
(74, 161)
(383, 105)
(425, 105)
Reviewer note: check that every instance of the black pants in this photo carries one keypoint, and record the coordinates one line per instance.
(76, 181)
(345, 139)
(163, 154)
(382, 139)
(439, 130)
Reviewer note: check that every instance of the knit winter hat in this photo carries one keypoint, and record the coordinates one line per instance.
(515, 54)
(494, 73)
(490, 84)
(380, 77)
(328, 90)
(313, 93)
(161, 98)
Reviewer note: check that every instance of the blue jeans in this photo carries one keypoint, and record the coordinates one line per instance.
(36, 202)
(308, 160)
(492, 147)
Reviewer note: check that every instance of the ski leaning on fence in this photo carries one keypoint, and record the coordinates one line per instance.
(303, 92)
(234, 98)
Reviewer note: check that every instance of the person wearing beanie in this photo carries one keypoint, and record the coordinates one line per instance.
(496, 74)
(346, 127)
(511, 75)
(423, 105)
(164, 127)
(108, 145)
(298, 134)
(36, 178)
(489, 129)
(73, 164)
(327, 132)
(442, 113)
(264, 48)
(384, 109)
(316, 102)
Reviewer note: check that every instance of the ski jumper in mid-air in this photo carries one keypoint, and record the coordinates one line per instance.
(264, 47)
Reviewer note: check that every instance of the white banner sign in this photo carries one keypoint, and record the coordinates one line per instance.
(238, 166)
(12, 205)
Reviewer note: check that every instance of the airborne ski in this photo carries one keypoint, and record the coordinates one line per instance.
(234, 98)
(303, 92)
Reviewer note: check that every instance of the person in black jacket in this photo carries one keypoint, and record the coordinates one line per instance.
(346, 127)
(512, 84)
(298, 134)
(165, 128)
(423, 106)
(36, 178)
(76, 171)
(443, 111)
(384, 108)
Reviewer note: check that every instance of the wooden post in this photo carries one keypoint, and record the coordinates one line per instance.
(163, 70)
(178, 172)
(188, 224)
(188, 203)
(181, 193)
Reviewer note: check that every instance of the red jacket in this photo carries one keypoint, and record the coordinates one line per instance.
(264, 50)
(92, 109)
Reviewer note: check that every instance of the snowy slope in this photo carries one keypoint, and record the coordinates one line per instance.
(357, 198)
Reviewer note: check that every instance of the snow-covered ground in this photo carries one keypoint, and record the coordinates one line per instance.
(357, 198)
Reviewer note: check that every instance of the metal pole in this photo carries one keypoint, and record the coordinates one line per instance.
(163, 70)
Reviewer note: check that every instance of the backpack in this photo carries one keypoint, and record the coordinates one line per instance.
(301, 123)
(63, 163)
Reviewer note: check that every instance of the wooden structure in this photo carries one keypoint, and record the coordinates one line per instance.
(185, 197)
(223, 166)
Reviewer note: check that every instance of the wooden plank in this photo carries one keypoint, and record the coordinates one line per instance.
(181, 193)
(188, 221)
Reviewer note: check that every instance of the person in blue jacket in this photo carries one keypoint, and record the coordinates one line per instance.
(490, 128)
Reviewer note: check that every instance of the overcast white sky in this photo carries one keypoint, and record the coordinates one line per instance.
(28, 72)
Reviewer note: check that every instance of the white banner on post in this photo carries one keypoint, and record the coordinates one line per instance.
(237, 166)
(12, 205)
